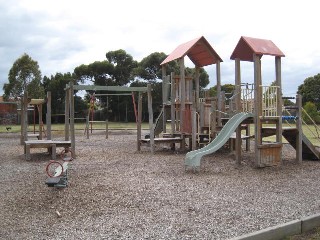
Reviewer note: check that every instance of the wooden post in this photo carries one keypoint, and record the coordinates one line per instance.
(39, 106)
(194, 128)
(67, 114)
(197, 88)
(48, 116)
(279, 102)
(139, 121)
(72, 132)
(182, 94)
(150, 119)
(165, 82)
(299, 128)
(22, 121)
(238, 109)
(87, 126)
(257, 109)
(24, 118)
(107, 129)
(173, 104)
(219, 103)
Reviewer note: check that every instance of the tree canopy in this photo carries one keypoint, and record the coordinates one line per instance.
(310, 90)
(24, 75)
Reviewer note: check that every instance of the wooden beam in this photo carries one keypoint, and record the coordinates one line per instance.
(257, 109)
(299, 128)
(72, 130)
(219, 103)
(182, 93)
(150, 119)
(238, 109)
(173, 105)
(67, 115)
(197, 79)
(48, 116)
(109, 88)
(139, 121)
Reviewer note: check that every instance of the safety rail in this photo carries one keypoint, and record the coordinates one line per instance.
(307, 129)
(247, 97)
(269, 100)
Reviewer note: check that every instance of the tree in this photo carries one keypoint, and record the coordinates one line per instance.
(227, 88)
(203, 76)
(56, 84)
(310, 90)
(123, 65)
(149, 68)
(311, 110)
(24, 75)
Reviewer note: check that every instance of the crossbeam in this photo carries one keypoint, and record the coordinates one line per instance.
(108, 88)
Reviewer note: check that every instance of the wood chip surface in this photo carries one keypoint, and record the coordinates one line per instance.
(116, 192)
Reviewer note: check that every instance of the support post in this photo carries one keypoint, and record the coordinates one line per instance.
(107, 129)
(219, 104)
(150, 119)
(183, 94)
(67, 114)
(257, 109)
(39, 106)
(238, 109)
(25, 124)
(48, 116)
(87, 126)
(279, 103)
(173, 105)
(197, 88)
(299, 128)
(139, 121)
(72, 132)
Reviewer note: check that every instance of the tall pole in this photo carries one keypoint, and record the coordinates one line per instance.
(238, 109)
(48, 116)
(150, 119)
(72, 132)
(67, 114)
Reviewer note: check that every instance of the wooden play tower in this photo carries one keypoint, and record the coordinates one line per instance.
(267, 100)
(189, 114)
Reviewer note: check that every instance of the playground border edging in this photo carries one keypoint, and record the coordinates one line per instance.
(284, 230)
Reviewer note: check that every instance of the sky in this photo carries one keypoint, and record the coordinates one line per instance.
(63, 34)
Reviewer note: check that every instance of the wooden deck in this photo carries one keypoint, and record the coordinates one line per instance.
(51, 145)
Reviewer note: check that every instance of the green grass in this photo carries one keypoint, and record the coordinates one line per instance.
(78, 126)
(309, 131)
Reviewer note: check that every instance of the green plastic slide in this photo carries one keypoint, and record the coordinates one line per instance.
(193, 158)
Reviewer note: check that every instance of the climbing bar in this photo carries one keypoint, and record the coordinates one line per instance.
(289, 117)
(288, 97)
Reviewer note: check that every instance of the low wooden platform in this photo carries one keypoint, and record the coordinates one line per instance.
(168, 140)
(51, 145)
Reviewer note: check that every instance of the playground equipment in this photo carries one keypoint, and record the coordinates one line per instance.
(69, 108)
(58, 172)
(51, 145)
(36, 104)
(202, 119)
(191, 117)
(90, 118)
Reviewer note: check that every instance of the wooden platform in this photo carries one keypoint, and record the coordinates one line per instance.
(165, 140)
(51, 145)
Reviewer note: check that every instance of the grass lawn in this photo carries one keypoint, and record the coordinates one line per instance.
(78, 126)
(310, 131)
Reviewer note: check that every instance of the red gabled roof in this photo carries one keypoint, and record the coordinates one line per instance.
(198, 50)
(248, 46)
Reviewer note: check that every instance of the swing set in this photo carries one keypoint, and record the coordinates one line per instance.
(90, 117)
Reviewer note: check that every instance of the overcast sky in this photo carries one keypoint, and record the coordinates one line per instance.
(63, 34)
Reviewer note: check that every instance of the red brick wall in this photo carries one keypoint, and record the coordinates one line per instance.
(8, 113)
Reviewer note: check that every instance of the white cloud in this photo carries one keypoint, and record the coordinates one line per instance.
(61, 35)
